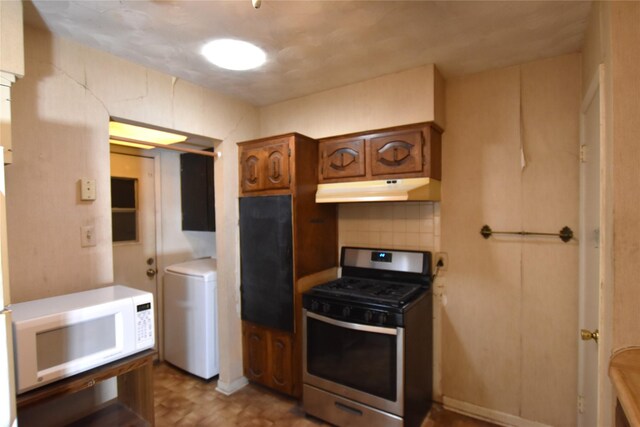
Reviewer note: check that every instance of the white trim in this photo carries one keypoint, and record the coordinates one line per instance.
(229, 388)
(604, 394)
(486, 414)
(157, 189)
(583, 239)
(606, 397)
(594, 86)
(7, 79)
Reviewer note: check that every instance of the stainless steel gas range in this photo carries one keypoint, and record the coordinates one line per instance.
(367, 351)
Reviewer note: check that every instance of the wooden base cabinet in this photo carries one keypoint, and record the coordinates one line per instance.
(268, 357)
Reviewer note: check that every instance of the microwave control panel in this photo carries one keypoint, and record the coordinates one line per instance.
(144, 324)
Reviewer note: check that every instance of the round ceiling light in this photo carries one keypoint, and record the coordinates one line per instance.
(234, 54)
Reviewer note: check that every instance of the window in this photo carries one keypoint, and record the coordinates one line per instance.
(124, 213)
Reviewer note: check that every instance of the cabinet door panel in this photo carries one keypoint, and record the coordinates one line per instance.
(266, 250)
(395, 154)
(276, 167)
(343, 159)
(281, 362)
(251, 161)
(255, 347)
(197, 193)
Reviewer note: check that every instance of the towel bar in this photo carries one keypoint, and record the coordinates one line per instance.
(565, 234)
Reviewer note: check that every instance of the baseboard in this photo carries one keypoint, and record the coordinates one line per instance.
(229, 388)
(496, 417)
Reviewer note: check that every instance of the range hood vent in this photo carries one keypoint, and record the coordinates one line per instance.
(388, 190)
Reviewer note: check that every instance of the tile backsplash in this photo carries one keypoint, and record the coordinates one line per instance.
(399, 225)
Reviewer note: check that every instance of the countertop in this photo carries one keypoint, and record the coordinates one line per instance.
(624, 370)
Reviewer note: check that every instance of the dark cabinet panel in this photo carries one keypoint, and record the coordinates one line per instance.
(266, 250)
(197, 193)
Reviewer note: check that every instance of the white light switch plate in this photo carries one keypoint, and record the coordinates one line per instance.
(87, 189)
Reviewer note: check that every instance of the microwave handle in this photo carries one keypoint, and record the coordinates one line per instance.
(349, 325)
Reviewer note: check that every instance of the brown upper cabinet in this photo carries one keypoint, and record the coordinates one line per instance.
(400, 152)
(264, 166)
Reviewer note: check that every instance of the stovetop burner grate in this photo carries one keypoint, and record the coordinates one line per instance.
(369, 290)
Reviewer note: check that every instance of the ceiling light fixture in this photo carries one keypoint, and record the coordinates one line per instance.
(256, 3)
(234, 55)
(131, 134)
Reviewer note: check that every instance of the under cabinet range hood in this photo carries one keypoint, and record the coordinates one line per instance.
(387, 190)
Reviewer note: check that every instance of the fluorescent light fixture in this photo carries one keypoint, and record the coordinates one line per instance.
(141, 134)
(234, 54)
(130, 144)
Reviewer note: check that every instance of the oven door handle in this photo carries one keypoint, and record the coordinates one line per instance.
(349, 325)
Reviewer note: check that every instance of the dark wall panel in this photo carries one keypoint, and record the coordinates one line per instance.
(266, 248)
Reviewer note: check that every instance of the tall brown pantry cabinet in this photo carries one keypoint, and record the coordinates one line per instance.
(285, 239)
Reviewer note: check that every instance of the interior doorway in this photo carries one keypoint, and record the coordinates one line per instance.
(133, 214)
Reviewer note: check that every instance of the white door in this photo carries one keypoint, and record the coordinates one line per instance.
(589, 238)
(134, 225)
(7, 384)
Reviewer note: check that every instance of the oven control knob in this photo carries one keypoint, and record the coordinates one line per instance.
(326, 307)
(368, 315)
(346, 311)
(382, 318)
(315, 305)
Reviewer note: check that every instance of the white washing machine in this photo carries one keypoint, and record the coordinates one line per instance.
(191, 317)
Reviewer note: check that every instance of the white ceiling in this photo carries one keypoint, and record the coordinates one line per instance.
(318, 45)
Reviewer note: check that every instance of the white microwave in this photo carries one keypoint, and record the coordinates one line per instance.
(64, 335)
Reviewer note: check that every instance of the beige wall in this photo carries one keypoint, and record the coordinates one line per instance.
(508, 334)
(625, 68)
(391, 100)
(60, 127)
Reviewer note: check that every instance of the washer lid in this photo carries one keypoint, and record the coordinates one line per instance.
(205, 268)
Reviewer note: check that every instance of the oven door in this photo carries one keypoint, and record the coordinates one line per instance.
(360, 362)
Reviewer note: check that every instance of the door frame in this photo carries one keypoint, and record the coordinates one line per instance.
(157, 188)
(605, 398)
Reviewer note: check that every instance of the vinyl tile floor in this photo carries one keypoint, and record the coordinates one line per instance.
(182, 399)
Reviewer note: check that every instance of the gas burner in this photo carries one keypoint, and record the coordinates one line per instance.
(370, 290)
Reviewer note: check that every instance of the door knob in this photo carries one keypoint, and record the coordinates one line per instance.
(587, 335)
(151, 272)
